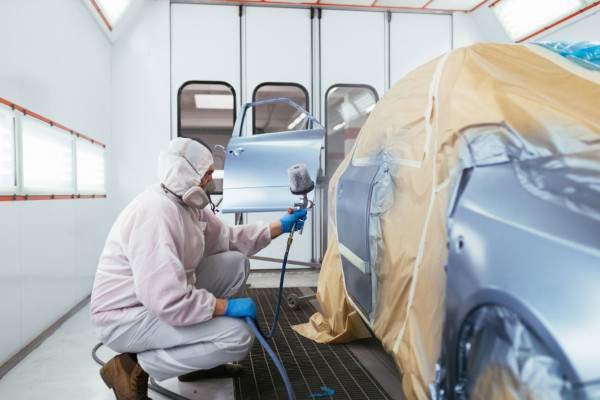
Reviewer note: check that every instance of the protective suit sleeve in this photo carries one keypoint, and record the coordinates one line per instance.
(160, 282)
(247, 239)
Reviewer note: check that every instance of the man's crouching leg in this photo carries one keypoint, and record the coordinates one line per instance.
(220, 341)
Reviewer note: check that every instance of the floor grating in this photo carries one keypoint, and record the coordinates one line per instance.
(309, 365)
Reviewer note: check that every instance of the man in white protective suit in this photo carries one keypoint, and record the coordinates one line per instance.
(162, 294)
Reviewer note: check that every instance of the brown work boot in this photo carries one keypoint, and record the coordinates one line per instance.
(125, 377)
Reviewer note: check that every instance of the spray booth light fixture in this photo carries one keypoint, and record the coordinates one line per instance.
(113, 9)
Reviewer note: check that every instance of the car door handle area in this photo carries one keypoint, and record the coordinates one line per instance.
(237, 151)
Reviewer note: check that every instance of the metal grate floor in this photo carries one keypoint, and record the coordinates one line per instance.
(309, 365)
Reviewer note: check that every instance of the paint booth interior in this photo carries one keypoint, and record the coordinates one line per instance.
(445, 154)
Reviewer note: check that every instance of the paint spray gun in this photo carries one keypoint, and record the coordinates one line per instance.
(301, 185)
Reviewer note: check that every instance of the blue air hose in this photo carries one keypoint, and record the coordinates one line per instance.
(274, 358)
(281, 279)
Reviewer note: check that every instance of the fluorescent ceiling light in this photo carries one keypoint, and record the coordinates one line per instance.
(522, 18)
(113, 9)
(214, 101)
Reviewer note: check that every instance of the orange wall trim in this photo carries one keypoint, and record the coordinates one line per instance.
(478, 5)
(48, 121)
(51, 197)
(102, 16)
(324, 3)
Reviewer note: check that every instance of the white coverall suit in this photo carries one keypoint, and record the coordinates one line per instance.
(162, 267)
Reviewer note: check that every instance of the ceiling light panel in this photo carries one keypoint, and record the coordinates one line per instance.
(462, 5)
(522, 18)
(113, 10)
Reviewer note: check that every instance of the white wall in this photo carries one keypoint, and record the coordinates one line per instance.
(579, 29)
(465, 30)
(478, 26)
(140, 100)
(54, 60)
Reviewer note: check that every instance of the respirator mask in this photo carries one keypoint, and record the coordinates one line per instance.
(196, 196)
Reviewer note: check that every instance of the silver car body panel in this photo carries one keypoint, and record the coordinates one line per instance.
(255, 172)
(354, 193)
(365, 185)
(541, 260)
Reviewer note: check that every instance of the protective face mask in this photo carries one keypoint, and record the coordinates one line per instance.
(195, 197)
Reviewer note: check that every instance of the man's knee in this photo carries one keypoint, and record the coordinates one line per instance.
(238, 338)
(239, 261)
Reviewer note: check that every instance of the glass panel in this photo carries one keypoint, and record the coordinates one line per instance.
(279, 117)
(7, 150)
(90, 168)
(47, 159)
(207, 114)
(346, 110)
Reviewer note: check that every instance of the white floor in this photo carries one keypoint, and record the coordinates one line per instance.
(62, 367)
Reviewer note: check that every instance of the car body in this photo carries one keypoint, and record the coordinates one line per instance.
(522, 270)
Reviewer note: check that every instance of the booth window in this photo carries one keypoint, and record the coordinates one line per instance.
(7, 151)
(207, 114)
(90, 167)
(279, 117)
(523, 19)
(47, 158)
(346, 110)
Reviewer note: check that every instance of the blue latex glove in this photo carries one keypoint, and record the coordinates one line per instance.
(241, 308)
(287, 221)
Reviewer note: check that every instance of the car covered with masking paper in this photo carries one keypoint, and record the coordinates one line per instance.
(464, 226)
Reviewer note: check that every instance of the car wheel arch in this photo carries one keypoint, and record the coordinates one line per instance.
(491, 297)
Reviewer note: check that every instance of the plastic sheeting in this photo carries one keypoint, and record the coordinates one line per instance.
(549, 101)
(382, 199)
(502, 359)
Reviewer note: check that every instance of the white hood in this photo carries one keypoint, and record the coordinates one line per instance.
(175, 172)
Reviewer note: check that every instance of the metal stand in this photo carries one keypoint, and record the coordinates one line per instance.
(294, 301)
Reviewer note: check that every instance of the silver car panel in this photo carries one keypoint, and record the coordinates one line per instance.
(255, 172)
(541, 260)
(353, 202)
